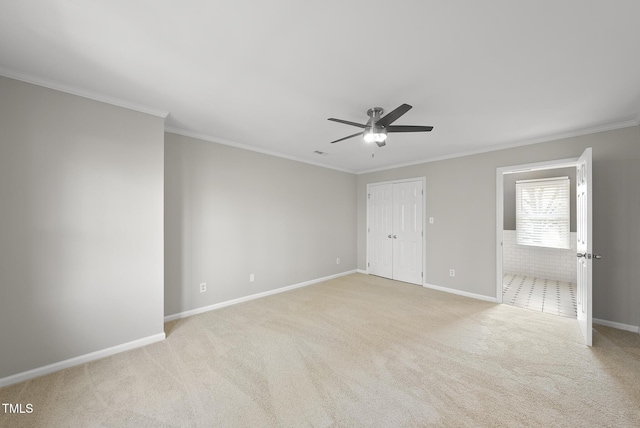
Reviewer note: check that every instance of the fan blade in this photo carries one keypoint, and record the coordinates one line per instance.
(347, 122)
(346, 138)
(381, 143)
(394, 115)
(408, 128)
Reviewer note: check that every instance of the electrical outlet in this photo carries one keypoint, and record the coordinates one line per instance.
(252, 277)
(452, 272)
(338, 260)
(203, 287)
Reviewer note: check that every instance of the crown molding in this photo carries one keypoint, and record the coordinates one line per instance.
(51, 84)
(545, 139)
(226, 142)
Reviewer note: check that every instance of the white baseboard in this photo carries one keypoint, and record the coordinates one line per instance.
(462, 293)
(252, 297)
(618, 325)
(41, 371)
(451, 290)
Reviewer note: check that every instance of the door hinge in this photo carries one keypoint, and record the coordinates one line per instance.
(368, 195)
(422, 191)
(421, 274)
(368, 229)
(422, 233)
(368, 264)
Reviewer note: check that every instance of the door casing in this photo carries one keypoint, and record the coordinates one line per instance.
(552, 164)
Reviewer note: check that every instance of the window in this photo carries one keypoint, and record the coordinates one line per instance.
(543, 213)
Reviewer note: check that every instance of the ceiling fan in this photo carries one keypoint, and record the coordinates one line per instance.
(376, 128)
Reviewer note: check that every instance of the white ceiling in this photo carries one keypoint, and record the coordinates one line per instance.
(268, 74)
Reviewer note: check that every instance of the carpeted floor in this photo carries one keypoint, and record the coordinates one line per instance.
(354, 351)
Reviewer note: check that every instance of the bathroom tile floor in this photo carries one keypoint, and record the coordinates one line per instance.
(544, 295)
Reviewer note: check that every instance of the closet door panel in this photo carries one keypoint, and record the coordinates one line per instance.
(407, 231)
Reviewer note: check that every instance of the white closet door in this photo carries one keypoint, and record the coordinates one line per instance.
(380, 241)
(407, 232)
(395, 224)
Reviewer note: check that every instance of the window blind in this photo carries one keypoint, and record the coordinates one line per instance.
(543, 212)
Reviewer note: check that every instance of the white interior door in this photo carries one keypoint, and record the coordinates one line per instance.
(407, 232)
(395, 231)
(380, 230)
(584, 211)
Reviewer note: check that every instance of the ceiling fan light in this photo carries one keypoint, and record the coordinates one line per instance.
(375, 135)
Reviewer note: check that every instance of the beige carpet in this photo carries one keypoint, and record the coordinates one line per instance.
(354, 351)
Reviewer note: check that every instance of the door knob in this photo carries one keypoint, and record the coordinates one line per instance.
(389, 236)
(394, 236)
(588, 256)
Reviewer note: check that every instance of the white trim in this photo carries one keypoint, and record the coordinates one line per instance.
(499, 233)
(47, 83)
(215, 306)
(217, 140)
(535, 166)
(552, 137)
(542, 180)
(539, 166)
(461, 293)
(81, 92)
(618, 325)
(365, 272)
(403, 180)
(82, 359)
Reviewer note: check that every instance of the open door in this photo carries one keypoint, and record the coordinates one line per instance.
(584, 210)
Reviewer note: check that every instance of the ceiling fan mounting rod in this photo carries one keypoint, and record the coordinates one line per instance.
(375, 112)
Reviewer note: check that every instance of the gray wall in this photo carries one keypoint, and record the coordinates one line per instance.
(81, 223)
(231, 212)
(509, 183)
(81, 227)
(461, 196)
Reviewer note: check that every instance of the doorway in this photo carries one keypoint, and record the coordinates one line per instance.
(584, 208)
(395, 230)
(539, 271)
